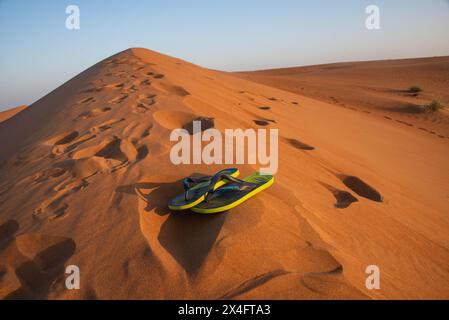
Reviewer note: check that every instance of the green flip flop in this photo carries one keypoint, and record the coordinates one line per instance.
(234, 193)
(197, 189)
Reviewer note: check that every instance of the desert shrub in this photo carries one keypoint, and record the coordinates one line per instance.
(434, 106)
(415, 89)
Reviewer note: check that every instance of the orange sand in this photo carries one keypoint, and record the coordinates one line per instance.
(374, 87)
(5, 115)
(70, 164)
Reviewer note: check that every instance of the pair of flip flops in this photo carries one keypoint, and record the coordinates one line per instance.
(220, 192)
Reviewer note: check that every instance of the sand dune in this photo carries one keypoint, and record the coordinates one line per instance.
(5, 115)
(85, 178)
(375, 87)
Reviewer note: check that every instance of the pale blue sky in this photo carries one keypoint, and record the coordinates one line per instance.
(38, 53)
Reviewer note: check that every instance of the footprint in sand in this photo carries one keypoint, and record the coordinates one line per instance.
(113, 148)
(120, 74)
(137, 130)
(146, 132)
(82, 170)
(264, 122)
(114, 86)
(140, 108)
(261, 123)
(54, 207)
(93, 113)
(264, 108)
(108, 148)
(147, 99)
(361, 188)
(100, 88)
(142, 152)
(32, 265)
(71, 145)
(144, 103)
(105, 126)
(146, 82)
(298, 144)
(404, 123)
(110, 155)
(132, 88)
(86, 100)
(206, 123)
(343, 198)
(93, 90)
(120, 99)
(433, 133)
(63, 138)
(179, 119)
(48, 174)
(117, 62)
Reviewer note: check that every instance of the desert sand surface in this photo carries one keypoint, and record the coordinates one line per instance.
(85, 177)
(5, 115)
(378, 87)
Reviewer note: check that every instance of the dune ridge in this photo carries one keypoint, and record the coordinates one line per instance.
(382, 88)
(9, 113)
(85, 178)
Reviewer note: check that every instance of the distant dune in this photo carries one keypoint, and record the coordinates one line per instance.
(5, 115)
(353, 189)
(380, 87)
